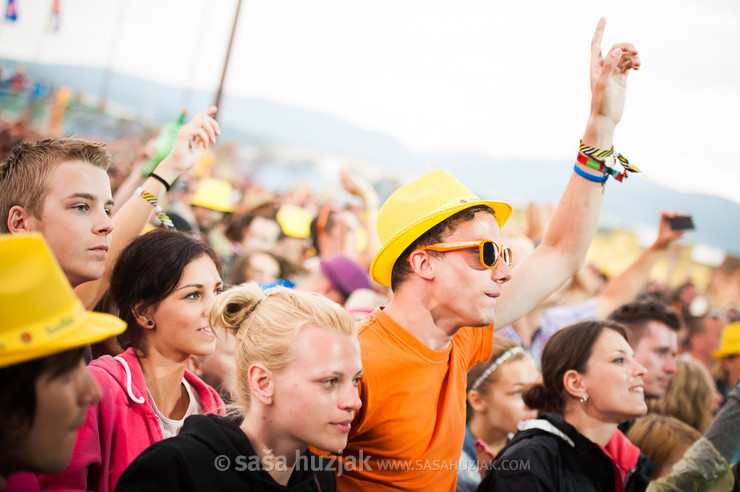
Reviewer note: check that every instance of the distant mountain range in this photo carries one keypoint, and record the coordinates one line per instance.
(635, 204)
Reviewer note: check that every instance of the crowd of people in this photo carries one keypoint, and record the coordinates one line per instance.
(173, 330)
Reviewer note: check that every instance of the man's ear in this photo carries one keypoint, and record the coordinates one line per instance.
(261, 382)
(21, 220)
(421, 264)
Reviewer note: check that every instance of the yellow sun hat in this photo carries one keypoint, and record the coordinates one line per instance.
(39, 313)
(214, 194)
(730, 342)
(415, 208)
(295, 221)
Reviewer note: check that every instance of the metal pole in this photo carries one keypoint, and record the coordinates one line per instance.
(228, 53)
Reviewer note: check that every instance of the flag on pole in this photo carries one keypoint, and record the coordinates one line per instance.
(10, 12)
(54, 19)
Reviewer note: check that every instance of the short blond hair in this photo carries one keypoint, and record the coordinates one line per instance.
(25, 173)
(266, 325)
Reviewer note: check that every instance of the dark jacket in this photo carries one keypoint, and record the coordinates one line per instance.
(212, 453)
(551, 455)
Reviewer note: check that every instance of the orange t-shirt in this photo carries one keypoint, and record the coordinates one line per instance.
(409, 433)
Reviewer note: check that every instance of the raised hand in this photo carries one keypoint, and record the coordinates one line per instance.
(192, 139)
(609, 76)
(666, 235)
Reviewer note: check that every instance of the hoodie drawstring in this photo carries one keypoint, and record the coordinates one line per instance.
(139, 399)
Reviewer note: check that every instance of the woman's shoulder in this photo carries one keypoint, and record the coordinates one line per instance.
(542, 436)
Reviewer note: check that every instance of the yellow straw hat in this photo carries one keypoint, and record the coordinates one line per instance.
(39, 313)
(730, 344)
(415, 208)
(214, 194)
(295, 221)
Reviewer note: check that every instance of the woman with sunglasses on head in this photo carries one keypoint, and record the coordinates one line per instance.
(495, 408)
(164, 284)
(590, 383)
(298, 369)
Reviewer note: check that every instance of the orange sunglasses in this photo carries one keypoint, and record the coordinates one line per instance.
(490, 252)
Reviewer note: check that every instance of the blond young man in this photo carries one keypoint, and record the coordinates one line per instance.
(60, 188)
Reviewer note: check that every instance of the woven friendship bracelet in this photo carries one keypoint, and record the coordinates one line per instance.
(157, 209)
(594, 151)
(609, 158)
(602, 167)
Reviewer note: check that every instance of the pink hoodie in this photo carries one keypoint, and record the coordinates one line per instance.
(120, 427)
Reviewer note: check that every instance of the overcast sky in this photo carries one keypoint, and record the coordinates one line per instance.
(507, 79)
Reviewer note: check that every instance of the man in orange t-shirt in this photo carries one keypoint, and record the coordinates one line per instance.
(443, 258)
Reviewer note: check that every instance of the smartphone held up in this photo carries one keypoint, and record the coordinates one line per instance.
(681, 222)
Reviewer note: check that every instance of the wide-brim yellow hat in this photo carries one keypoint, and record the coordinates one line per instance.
(730, 341)
(415, 208)
(214, 194)
(39, 313)
(294, 221)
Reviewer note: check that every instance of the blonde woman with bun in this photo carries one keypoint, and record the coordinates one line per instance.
(298, 366)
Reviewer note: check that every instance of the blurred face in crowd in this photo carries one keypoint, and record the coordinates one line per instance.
(317, 282)
(206, 218)
(61, 408)
(656, 352)
(613, 380)
(342, 236)
(75, 219)
(262, 268)
(705, 343)
(261, 235)
(501, 400)
(218, 370)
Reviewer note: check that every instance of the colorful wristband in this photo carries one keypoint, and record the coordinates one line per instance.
(602, 167)
(594, 151)
(161, 215)
(590, 177)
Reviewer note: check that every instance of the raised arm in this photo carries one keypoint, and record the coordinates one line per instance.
(129, 221)
(573, 225)
(624, 288)
(370, 201)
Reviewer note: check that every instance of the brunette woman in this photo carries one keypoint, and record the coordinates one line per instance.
(164, 283)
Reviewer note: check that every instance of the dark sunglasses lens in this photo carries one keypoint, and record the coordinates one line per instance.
(490, 253)
(506, 254)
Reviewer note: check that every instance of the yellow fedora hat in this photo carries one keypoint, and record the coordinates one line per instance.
(730, 344)
(415, 208)
(295, 221)
(214, 194)
(39, 313)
